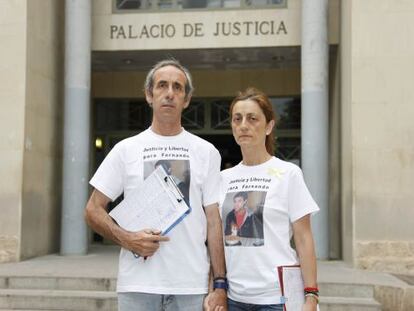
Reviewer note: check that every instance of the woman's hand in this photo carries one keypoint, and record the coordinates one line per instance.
(310, 304)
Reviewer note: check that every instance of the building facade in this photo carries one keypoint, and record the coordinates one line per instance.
(228, 45)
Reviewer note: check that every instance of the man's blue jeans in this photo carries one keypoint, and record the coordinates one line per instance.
(155, 302)
(240, 306)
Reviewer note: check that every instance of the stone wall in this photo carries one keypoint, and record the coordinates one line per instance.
(13, 25)
(41, 196)
(379, 153)
(386, 256)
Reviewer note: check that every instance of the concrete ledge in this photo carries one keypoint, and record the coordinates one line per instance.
(57, 300)
(349, 304)
(100, 262)
(58, 283)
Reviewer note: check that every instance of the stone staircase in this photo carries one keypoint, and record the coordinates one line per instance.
(60, 293)
(87, 283)
(88, 293)
(347, 297)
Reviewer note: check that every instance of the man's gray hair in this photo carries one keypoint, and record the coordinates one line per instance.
(149, 80)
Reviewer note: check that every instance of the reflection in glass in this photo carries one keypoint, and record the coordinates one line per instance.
(165, 4)
(220, 118)
(128, 4)
(193, 116)
(121, 115)
(254, 3)
(194, 4)
(288, 149)
(288, 112)
(231, 3)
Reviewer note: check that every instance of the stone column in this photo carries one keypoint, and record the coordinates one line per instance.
(74, 239)
(315, 53)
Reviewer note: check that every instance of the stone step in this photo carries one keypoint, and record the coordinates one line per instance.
(349, 304)
(108, 284)
(88, 293)
(36, 300)
(68, 300)
(346, 290)
(71, 300)
(58, 283)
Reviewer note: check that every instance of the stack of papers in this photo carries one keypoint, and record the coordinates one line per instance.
(156, 204)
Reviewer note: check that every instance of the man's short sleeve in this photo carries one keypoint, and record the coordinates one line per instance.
(300, 201)
(108, 178)
(211, 185)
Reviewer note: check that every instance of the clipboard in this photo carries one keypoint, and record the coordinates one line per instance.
(292, 287)
(156, 203)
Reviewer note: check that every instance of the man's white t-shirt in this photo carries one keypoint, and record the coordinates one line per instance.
(181, 265)
(276, 196)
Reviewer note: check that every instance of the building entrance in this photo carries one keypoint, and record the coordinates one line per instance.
(120, 109)
(116, 119)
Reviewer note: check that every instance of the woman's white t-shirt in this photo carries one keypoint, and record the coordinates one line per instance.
(277, 196)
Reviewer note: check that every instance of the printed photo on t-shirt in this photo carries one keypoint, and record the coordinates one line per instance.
(243, 218)
(179, 170)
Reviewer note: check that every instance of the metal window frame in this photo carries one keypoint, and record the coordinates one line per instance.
(152, 9)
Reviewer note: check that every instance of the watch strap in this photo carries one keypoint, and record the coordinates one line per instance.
(220, 283)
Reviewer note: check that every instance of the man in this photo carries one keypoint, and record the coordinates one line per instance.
(172, 272)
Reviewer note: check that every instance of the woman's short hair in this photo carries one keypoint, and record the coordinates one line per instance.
(265, 105)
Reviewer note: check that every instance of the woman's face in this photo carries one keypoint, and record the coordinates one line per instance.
(249, 124)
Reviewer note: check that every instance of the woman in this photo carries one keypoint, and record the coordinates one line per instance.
(278, 201)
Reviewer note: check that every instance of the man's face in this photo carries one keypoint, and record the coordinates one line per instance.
(238, 204)
(168, 94)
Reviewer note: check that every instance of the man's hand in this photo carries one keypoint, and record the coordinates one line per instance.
(216, 301)
(145, 242)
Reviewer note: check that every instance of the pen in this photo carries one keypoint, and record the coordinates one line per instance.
(172, 182)
(138, 256)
